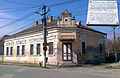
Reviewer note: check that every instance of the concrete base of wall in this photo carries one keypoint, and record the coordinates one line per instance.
(1, 58)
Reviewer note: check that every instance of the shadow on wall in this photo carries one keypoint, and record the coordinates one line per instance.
(93, 55)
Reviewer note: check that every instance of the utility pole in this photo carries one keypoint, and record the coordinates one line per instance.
(115, 49)
(44, 35)
(45, 44)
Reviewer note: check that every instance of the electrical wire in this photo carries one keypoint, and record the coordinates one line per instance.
(81, 14)
(63, 3)
(8, 18)
(18, 3)
(80, 11)
(5, 8)
(28, 26)
(20, 19)
(22, 9)
(16, 19)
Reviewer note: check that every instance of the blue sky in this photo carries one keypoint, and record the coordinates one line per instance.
(78, 9)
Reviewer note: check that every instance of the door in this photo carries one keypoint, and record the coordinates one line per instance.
(67, 52)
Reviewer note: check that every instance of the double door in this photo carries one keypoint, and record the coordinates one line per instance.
(67, 52)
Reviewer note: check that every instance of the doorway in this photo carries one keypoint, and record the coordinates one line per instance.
(67, 51)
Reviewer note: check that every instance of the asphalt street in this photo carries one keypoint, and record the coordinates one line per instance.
(13, 71)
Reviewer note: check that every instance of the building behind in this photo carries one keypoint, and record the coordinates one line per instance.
(1, 46)
(69, 43)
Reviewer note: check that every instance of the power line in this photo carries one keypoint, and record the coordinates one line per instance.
(80, 11)
(63, 3)
(18, 8)
(13, 22)
(76, 6)
(20, 19)
(18, 3)
(21, 28)
(22, 9)
(66, 2)
(12, 8)
(9, 18)
(81, 14)
(16, 19)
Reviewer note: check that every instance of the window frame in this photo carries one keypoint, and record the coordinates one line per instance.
(101, 48)
(32, 49)
(18, 51)
(11, 51)
(23, 50)
(66, 52)
(7, 51)
(38, 53)
(50, 52)
(83, 52)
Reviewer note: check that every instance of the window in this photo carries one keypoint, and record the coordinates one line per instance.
(38, 49)
(67, 52)
(23, 49)
(50, 47)
(18, 50)
(31, 49)
(101, 48)
(11, 51)
(7, 51)
(83, 48)
(66, 20)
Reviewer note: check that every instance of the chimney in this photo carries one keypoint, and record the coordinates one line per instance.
(36, 23)
(73, 17)
(50, 18)
(41, 21)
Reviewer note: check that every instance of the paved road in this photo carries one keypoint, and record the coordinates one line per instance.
(12, 71)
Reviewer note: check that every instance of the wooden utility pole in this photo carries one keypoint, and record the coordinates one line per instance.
(115, 49)
(44, 35)
(45, 44)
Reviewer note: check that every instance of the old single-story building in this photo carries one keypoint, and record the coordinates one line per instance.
(69, 43)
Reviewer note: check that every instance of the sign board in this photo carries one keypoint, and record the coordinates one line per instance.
(70, 35)
(102, 13)
(67, 36)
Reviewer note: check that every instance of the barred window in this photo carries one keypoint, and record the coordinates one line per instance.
(83, 48)
(38, 49)
(18, 50)
(31, 49)
(11, 51)
(7, 51)
(23, 49)
(101, 48)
